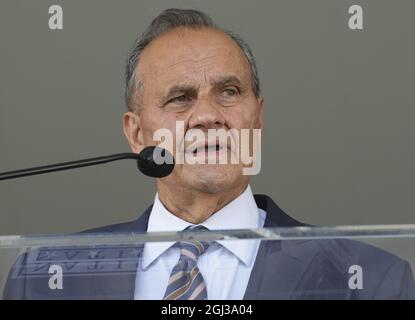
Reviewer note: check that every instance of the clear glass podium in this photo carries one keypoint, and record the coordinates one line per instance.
(343, 262)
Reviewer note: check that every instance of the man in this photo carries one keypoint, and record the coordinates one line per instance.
(184, 69)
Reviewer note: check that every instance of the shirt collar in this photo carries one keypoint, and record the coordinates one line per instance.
(244, 207)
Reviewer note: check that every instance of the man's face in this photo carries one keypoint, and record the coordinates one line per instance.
(202, 78)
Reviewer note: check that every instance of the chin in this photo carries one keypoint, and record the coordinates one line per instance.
(214, 180)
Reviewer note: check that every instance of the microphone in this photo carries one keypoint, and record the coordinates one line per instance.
(152, 161)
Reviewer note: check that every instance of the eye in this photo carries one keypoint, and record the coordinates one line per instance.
(230, 92)
(179, 99)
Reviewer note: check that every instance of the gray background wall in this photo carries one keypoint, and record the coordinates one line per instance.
(338, 143)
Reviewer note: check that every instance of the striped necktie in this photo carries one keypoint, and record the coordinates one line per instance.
(186, 282)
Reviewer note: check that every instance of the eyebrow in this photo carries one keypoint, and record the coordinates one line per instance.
(226, 80)
(179, 89)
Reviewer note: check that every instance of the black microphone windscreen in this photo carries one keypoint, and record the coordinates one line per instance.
(156, 162)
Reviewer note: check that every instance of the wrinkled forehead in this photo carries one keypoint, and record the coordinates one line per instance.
(192, 56)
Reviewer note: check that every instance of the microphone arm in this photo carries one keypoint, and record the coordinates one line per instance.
(145, 163)
(67, 165)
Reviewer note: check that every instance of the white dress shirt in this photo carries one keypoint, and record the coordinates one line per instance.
(226, 265)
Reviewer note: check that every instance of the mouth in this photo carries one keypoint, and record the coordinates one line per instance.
(205, 150)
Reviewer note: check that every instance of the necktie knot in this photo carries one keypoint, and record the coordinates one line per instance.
(193, 249)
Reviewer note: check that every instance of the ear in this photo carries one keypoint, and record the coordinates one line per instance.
(132, 131)
(260, 113)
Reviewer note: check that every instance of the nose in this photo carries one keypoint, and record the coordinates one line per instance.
(206, 115)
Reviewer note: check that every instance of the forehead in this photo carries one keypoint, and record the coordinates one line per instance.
(187, 55)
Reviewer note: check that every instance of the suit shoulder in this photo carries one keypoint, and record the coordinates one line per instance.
(138, 225)
(117, 227)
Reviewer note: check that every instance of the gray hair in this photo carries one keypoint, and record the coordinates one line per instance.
(166, 21)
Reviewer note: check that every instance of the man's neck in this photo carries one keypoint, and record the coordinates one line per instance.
(194, 206)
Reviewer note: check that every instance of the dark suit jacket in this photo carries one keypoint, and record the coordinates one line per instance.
(288, 269)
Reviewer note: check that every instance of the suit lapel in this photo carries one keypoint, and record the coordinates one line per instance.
(279, 265)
